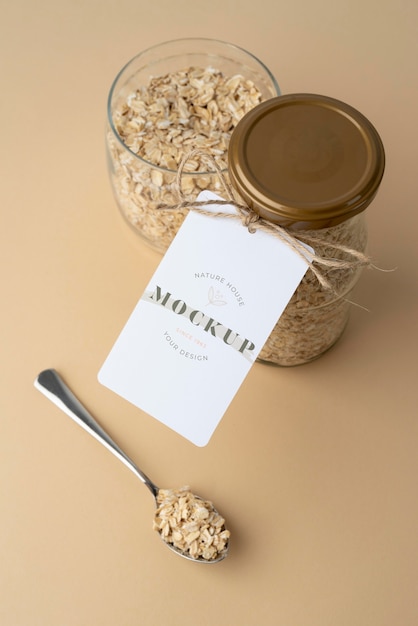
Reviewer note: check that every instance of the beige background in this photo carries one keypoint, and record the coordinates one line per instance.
(315, 467)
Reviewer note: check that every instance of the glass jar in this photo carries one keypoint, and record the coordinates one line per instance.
(170, 99)
(311, 164)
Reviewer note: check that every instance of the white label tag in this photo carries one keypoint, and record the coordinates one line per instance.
(202, 321)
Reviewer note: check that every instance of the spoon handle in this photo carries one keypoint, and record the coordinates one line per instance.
(53, 387)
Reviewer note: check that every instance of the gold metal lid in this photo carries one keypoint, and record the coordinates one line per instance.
(306, 161)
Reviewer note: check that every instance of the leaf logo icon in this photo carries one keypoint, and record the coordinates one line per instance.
(215, 297)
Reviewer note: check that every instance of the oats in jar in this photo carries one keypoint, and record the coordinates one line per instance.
(159, 123)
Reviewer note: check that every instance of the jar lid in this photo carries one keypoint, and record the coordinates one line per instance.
(306, 160)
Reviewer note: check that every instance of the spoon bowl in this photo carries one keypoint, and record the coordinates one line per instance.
(53, 387)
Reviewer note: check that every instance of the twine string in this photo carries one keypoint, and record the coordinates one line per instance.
(253, 222)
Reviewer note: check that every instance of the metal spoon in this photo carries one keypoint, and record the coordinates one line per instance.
(53, 387)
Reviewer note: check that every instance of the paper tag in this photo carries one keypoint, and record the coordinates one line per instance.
(202, 321)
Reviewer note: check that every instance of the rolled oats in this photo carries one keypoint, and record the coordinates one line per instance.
(190, 524)
(155, 126)
(315, 317)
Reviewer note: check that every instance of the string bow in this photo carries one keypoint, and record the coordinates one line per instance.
(354, 260)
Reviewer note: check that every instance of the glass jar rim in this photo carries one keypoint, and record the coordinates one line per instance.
(160, 46)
